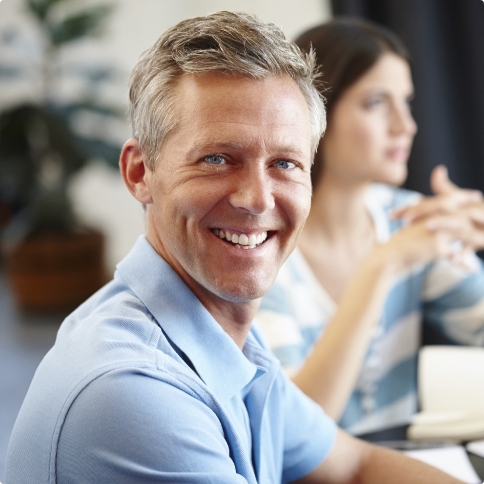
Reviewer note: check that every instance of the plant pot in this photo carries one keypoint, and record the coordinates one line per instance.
(57, 271)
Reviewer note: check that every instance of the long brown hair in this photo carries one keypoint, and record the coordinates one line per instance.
(346, 48)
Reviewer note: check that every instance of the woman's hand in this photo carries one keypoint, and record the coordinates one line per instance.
(455, 215)
(448, 198)
(450, 235)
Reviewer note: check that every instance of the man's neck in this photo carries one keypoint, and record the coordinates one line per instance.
(235, 318)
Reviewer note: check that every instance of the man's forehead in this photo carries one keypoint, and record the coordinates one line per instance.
(235, 97)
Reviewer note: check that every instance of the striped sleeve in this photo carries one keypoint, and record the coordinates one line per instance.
(454, 301)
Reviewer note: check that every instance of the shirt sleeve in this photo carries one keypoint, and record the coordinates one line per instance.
(309, 434)
(112, 435)
(454, 301)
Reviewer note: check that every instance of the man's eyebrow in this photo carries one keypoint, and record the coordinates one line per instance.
(212, 147)
(236, 145)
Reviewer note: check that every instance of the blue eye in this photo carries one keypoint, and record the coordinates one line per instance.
(373, 102)
(284, 164)
(215, 159)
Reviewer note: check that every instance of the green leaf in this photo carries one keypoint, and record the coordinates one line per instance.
(41, 8)
(79, 25)
(20, 159)
(96, 148)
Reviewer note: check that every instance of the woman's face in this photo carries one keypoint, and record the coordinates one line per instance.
(371, 128)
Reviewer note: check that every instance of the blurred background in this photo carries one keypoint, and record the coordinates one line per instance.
(66, 218)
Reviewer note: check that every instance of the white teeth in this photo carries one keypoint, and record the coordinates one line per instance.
(244, 240)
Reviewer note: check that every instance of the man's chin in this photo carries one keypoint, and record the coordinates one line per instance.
(239, 295)
(242, 292)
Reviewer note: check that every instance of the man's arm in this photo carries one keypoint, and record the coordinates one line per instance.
(352, 461)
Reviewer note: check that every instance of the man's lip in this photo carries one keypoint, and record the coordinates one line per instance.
(240, 230)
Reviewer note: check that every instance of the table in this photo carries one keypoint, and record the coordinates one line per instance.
(387, 436)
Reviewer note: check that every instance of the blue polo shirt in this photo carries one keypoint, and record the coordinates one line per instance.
(144, 386)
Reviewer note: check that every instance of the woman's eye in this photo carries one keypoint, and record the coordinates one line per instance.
(215, 159)
(284, 164)
(373, 102)
(409, 102)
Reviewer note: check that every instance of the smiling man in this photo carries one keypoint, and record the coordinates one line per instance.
(232, 184)
(161, 376)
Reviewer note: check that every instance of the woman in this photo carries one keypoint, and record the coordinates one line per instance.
(344, 316)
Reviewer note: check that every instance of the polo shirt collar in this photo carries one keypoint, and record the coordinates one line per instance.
(217, 359)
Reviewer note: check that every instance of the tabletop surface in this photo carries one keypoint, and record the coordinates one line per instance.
(396, 437)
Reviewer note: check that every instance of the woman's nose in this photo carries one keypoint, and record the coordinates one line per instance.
(402, 121)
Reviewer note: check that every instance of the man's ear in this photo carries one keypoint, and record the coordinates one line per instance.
(133, 170)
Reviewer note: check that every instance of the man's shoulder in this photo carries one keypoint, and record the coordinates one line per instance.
(111, 331)
(113, 324)
(110, 347)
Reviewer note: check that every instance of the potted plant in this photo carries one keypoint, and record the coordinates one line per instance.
(53, 262)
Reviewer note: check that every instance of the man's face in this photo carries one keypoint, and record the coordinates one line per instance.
(236, 166)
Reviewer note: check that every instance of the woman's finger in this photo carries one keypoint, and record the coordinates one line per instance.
(440, 182)
(435, 205)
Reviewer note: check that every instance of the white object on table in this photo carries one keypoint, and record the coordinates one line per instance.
(451, 392)
(451, 378)
(452, 459)
(476, 447)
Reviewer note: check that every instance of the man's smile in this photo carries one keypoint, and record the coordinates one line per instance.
(241, 240)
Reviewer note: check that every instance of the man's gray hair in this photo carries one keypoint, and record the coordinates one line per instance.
(224, 42)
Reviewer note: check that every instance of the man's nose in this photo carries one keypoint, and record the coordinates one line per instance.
(253, 190)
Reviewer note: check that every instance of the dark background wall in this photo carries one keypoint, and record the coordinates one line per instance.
(446, 41)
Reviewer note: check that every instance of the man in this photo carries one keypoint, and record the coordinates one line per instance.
(160, 376)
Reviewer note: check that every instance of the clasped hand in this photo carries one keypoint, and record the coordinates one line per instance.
(449, 224)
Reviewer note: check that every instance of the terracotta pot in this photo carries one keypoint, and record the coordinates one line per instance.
(56, 272)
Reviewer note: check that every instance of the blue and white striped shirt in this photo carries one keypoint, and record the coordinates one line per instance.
(294, 313)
